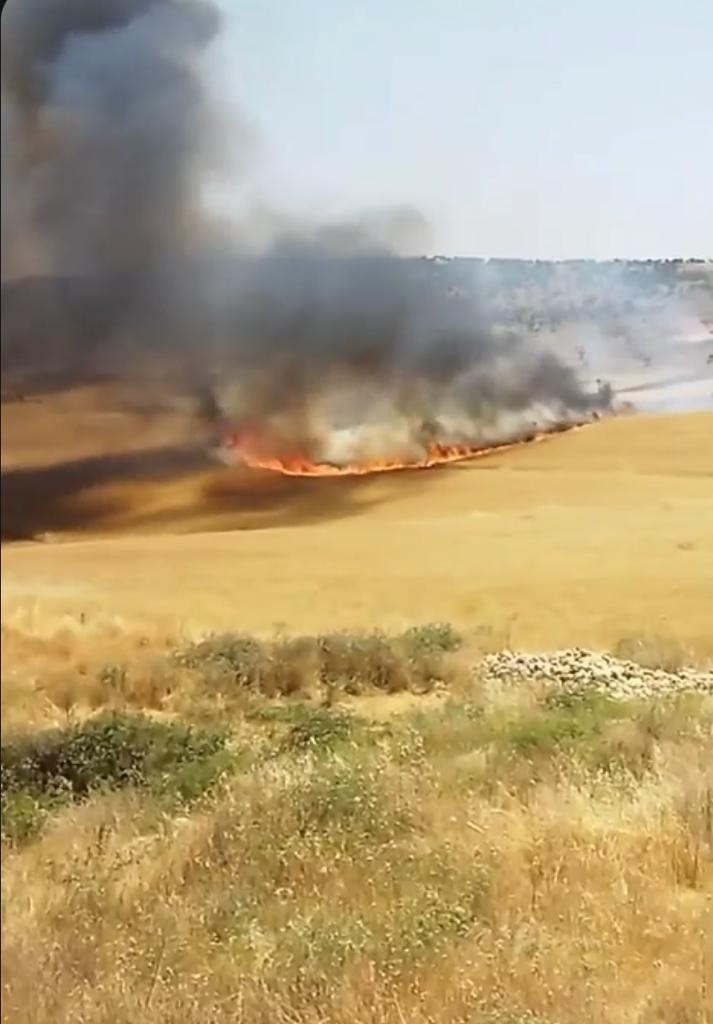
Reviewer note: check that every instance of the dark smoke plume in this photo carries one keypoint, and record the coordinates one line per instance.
(109, 141)
(107, 133)
(324, 341)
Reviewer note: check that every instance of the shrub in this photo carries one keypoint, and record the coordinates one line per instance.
(441, 910)
(287, 666)
(320, 729)
(356, 661)
(349, 661)
(234, 653)
(111, 751)
(408, 661)
(22, 815)
(438, 637)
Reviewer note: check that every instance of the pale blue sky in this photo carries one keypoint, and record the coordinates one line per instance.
(536, 128)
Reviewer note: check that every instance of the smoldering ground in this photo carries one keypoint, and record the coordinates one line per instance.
(111, 138)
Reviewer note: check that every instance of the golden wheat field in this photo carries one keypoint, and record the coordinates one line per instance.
(577, 539)
(219, 831)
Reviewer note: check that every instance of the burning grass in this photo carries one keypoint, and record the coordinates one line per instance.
(263, 452)
(500, 856)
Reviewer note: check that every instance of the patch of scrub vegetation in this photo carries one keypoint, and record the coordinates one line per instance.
(562, 724)
(45, 769)
(344, 661)
(536, 739)
(504, 854)
(321, 729)
(432, 637)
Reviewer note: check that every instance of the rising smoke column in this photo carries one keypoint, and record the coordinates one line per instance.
(374, 350)
(110, 138)
(107, 132)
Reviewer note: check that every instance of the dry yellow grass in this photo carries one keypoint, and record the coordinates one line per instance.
(421, 879)
(583, 539)
(447, 863)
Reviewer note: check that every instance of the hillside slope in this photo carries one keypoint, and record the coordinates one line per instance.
(581, 539)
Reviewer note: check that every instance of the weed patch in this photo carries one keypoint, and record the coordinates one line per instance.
(347, 796)
(320, 729)
(113, 751)
(434, 637)
(350, 662)
(235, 654)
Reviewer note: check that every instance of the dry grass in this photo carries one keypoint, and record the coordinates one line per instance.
(656, 649)
(63, 672)
(55, 676)
(579, 540)
(490, 858)
(55, 668)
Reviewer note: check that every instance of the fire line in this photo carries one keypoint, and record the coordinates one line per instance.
(436, 455)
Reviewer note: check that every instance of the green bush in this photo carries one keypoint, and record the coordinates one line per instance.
(111, 751)
(22, 815)
(319, 729)
(517, 744)
(433, 903)
(434, 637)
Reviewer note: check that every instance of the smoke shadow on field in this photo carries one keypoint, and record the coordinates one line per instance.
(37, 500)
(252, 500)
(120, 493)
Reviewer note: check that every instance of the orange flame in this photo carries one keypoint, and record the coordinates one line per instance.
(436, 455)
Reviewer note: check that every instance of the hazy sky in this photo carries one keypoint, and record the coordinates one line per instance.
(538, 128)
